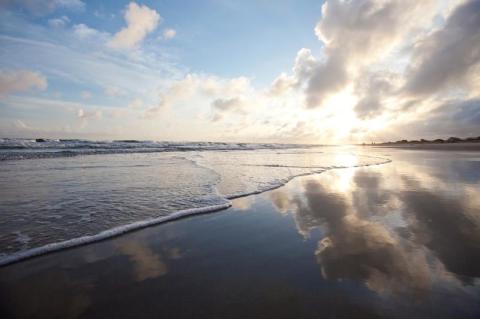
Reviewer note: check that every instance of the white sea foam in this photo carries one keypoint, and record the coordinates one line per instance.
(230, 175)
(16, 257)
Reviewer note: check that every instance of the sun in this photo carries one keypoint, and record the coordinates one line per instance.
(342, 118)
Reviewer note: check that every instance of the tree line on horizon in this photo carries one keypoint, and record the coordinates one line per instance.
(451, 139)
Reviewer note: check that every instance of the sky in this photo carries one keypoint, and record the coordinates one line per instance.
(286, 71)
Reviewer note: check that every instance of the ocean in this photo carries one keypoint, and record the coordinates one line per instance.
(57, 194)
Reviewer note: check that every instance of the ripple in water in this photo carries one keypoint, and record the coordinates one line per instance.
(62, 202)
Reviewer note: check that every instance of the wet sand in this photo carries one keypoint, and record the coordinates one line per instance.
(390, 241)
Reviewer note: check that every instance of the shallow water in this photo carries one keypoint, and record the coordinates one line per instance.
(389, 241)
(57, 202)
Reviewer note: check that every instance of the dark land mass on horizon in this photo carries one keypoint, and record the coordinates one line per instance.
(452, 143)
(450, 140)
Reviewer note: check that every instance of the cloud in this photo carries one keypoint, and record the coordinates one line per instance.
(83, 31)
(303, 68)
(82, 114)
(113, 91)
(203, 88)
(141, 20)
(281, 85)
(19, 81)
(361, 83)
(373, 89)
(355, 34)
(385, 65)
(58, 22)
(43, 7)
(169, 34)
(454, 117)
(328, 78)
(449, 57)
(78, 56)
(136, 103)
(226, 106)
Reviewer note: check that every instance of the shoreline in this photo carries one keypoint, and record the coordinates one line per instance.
(432, 146)
(107, 234)
(139, 225)
(337, 244)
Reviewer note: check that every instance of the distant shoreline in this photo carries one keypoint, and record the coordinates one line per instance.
(452, 143)
(464, 146)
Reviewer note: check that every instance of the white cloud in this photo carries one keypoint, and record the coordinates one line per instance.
(19, 81)
(358, 86)
(58, 22)
(169, 34)
(303, 69)
(141, 20)
(282, 84)
(86, 62)
(83, 31)
(82, 114)
(355, 35)
(386, 65)
(197, 87)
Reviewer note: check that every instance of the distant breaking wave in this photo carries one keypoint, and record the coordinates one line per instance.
(18, 148)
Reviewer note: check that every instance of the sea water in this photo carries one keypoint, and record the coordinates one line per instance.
(56, 194)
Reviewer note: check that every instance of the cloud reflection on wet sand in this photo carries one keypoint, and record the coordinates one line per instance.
(401, 231)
